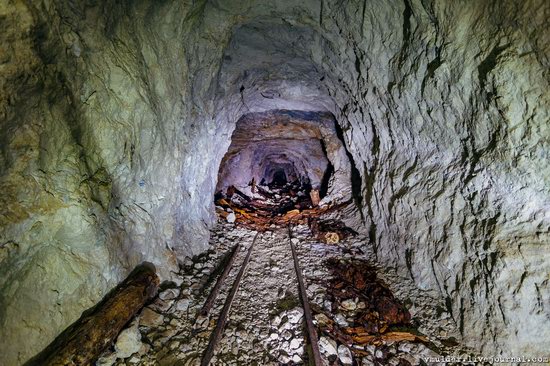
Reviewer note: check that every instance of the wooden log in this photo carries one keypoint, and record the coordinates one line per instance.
(85, 340)
(365, 338)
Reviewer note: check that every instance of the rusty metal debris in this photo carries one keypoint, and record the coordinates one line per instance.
(378, 317)
(272, 205)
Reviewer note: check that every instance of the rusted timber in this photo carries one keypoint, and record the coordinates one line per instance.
(222, 320)
(311, 331)
(215, 291)
(84, 341)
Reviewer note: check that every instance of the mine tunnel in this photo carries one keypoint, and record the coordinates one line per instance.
(278, 162)
(274, 182)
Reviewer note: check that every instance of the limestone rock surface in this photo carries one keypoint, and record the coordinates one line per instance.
(115, 117)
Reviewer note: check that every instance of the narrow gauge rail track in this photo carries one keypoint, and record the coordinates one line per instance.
(217, 333)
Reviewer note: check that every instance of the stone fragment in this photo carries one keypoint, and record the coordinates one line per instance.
(106, 360)
(314, 195)
(322, 319)
(231, 218)
(295, 315)
(328, 347)
(150, 318)
(404, 347)
(296, 359)
(344, 355)
(341, 320)
(276, 321)
(287, 334)
(295, 343)
(348, 305)
(128, 341)
(169, 294)
(183, 304)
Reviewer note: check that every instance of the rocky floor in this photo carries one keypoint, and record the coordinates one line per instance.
(266, 321)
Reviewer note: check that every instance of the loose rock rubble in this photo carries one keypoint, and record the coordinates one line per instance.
(266, 321)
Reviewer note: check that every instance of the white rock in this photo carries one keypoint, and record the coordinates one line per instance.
(169, 294)
(328, 347)
(341, 320)
(276, 321)
(295, 343)
(231, 218)
(106, 360)
(295, 315)
(296, 359)
(404, 347)
(348, 305)
(284, 359)
(344, 355)
(128, 341)
(183, 305)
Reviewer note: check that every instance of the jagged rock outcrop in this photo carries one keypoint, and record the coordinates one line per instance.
(115, 116)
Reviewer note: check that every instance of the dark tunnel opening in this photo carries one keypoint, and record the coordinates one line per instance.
(279, 178)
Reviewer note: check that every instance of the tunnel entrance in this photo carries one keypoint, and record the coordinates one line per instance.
(282, 164)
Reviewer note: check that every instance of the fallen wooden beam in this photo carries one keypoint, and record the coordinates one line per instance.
(87, 338)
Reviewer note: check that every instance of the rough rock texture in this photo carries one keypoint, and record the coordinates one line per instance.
(115, 115)
(266, 324)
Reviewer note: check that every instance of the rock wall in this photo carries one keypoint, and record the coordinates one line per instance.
(447, 119)
(115, 116)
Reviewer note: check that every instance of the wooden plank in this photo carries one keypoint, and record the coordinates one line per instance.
(215, 291)
(311, 331)
(85, 340)
(222, 320)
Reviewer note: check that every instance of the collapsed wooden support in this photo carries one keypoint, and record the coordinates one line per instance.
(84, 341)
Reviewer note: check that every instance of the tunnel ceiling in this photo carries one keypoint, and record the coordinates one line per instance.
(115, 117)
(269, 64)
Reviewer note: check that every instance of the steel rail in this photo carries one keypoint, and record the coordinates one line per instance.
(311, 331)
(222, 320)
(215, 291)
